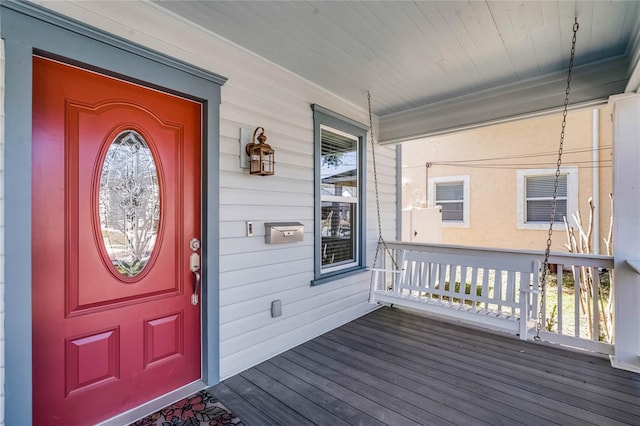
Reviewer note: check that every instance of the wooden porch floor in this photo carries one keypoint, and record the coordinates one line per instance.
(392, 367)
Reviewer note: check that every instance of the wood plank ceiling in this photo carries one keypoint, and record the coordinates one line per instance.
(424, 60)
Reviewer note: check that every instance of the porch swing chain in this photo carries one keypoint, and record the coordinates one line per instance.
(381, 240)
(547, 252)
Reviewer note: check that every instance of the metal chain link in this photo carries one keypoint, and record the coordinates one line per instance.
(375, 183)
(547, 252)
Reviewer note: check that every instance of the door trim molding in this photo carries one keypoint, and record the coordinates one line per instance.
(150, 407)
(28, 28)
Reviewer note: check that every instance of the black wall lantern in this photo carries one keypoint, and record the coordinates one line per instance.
(261, 155)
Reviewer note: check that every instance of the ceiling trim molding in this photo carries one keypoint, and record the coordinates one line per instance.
(633, 85)
(590, 84)
(634, 63)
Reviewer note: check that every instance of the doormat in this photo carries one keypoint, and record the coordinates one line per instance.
(196, 410)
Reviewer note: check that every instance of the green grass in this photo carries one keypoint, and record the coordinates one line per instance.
(569, 305)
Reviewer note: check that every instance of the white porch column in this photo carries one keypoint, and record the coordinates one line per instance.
(626, 229)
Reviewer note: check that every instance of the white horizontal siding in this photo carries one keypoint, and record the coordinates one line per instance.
(252, 274)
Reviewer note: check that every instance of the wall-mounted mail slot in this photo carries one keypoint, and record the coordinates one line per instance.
(283, 232)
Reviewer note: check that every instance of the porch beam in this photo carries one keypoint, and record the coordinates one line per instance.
(626, 229)
(590, 85)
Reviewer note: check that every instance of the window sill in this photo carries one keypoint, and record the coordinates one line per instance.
(452, 224)
(339, 275)
(540, 226)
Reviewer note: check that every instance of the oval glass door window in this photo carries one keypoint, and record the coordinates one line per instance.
(129, 203)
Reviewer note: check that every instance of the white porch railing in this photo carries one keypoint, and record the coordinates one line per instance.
(499, 289)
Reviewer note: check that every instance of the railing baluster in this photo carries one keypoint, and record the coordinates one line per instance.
(453, 273)
(443, 281)
(511, 290)
(424, 275)
(395, 278)
(474, 286)
(559, 276)
(497, 288)
(535, 303)
(463, 285)
(485, 288)
(577, 290)
(595, 281)
(434, 279)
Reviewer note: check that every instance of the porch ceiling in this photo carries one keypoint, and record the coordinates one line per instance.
(432, 66)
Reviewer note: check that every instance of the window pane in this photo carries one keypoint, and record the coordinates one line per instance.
(450, 191)
(453, 212)
(540, 210)
(338, 240)
(129, 203)
(340, 199)
(339, 164)
(542, 186)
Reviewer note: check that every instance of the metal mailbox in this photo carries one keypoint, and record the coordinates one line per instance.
(283, 232)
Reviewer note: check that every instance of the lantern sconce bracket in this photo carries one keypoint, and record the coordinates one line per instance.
(245, 138)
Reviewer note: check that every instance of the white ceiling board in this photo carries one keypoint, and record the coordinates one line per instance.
(411, 54)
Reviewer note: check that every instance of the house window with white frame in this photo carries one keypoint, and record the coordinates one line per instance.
(535, 197)
(340, 192)
(451, 194)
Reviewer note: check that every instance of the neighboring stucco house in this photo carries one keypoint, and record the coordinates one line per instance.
(494, 184)
(134, 263)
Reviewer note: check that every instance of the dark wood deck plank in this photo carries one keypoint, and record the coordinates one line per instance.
(309, 409)
(310, 374)
(422, 366)
(538, 373)
(336, 407)
(593, 366)
(456, 383)
(266, 403)
(446, 401)
(393, 367)
(587, 366)
(340, 375)
(390, 384)
(237, 404)
(509, 373)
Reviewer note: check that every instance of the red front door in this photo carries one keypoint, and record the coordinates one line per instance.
(116, 203)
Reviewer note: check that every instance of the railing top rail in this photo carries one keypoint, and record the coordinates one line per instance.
(555, 257)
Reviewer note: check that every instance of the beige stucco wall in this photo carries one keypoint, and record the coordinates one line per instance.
(493, 190)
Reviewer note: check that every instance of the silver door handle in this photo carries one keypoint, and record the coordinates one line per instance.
(194, 296)
(194, 265)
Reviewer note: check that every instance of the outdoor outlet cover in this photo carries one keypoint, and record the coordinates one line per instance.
(276, 308)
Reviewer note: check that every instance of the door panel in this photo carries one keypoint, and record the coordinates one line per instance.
(93, 125)
(104, 340)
